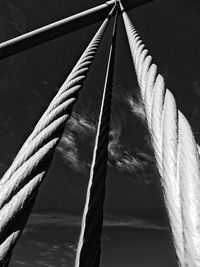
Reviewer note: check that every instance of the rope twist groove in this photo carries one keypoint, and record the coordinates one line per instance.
(175, 149)
(21, 182)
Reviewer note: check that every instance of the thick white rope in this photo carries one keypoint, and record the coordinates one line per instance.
(21, 182)
(175, 150)
(89, 245)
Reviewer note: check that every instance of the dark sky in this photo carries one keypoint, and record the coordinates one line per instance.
(29, 80)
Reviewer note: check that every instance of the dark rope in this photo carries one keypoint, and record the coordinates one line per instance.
(89, 246)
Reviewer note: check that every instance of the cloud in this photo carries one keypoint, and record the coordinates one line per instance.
(121, 158)
(50, 239)
(52, 219)
(129, 101)
(70, 152)
(64, 220)
(130, 149)
(42, 263)
(76, 144)
(127, 157)
(124, 153)
(23, 263)
(135, 105)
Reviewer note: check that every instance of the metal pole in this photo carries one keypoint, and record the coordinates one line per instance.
(61, 27)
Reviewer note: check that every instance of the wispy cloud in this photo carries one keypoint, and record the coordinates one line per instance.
(130, 145)
(64, 220)
(133, 103)
(127, 152)
(23, 263)
(121, 158)
(76, 144)
(42, 263)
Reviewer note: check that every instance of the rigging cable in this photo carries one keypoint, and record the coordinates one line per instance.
(89, 245)
(21, 182)
(175, 149)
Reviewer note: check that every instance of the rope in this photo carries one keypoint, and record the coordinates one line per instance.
(89, 245)
(21, 182)
(175, 150)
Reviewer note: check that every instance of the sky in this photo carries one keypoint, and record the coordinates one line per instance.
(29, 80)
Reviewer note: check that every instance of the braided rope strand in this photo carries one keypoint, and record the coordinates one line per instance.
(89, 245)
(175, 150)
(22, 180)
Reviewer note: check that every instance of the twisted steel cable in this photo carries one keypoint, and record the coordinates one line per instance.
(21, 182)
(175, 150)
(89, 245)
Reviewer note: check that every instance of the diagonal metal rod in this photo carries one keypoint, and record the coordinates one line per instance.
(89, 245)
(61, 27)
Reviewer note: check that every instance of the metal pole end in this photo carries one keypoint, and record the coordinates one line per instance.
(121, 8)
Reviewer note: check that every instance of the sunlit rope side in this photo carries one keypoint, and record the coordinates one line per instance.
(21, 182)
(89, 245)
(175, 150)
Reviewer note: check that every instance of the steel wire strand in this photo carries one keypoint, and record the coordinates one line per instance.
(89, 245)
(175, 150)
(22, 180)
(174, 208)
